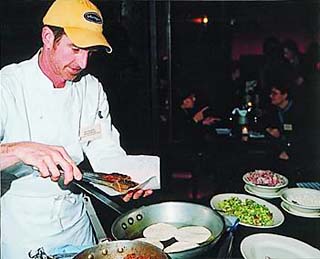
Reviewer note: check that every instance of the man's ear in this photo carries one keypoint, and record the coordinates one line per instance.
(47, 37)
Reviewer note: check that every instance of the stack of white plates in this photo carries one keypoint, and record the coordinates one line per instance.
(268, 191)
(302, 202)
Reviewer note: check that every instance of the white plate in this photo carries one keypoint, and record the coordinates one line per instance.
(304, 199)
(263, 245)
(141, 168)
(292, 211)
(278, 216)
(276, 194)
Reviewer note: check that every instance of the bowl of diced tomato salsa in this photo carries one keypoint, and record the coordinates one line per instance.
(265, 181)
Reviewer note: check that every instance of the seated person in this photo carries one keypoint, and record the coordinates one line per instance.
(191, 120)
(293, 59)
(282, 119)
(237, 86)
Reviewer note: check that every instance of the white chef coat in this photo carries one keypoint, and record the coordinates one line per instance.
(36, 211)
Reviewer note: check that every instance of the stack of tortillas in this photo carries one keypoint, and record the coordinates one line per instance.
(160, 231)
(187, 237)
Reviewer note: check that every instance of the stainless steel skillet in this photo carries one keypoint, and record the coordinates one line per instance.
(130, 225)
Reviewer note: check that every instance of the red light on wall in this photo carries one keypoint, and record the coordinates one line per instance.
(199, 20)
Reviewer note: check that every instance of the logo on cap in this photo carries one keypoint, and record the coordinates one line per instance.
(93, 17)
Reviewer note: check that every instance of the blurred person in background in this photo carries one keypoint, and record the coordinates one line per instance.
(312, 64)
(311, 95)
(236, 89)
(293, 59)
(192, 119)
(272, 60)
(283, 120)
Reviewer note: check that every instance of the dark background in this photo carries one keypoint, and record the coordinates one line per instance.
(140, 87)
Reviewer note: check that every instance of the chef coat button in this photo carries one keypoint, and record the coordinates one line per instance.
(41, 117)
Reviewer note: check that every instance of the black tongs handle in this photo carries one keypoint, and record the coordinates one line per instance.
(101, 196)
(226, 248)
(91, 175)
(86, 186)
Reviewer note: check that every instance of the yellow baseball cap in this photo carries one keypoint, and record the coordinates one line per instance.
(81, 20)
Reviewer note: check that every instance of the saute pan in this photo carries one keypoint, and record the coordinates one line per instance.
(120, 249)
(130, 225)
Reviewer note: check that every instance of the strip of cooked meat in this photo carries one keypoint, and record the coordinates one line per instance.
(117, 181)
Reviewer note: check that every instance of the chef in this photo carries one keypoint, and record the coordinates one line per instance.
(51, 115)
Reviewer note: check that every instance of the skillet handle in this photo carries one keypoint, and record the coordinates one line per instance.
(100, 234)
(226, 247)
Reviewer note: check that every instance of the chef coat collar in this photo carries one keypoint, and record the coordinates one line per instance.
(44, 81)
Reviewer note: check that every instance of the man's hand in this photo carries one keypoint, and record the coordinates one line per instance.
(210, 120)
(274, 132)
(136, 194)
(199, 115)
(47, 159)
(283, 155)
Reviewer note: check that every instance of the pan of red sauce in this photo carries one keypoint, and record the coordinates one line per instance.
(122, 249)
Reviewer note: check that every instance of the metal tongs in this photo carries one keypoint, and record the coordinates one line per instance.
(92, 176)
(99, 178)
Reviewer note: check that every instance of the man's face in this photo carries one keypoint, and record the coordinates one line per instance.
(288, 54)
(277, 98)
(67, 60)
(188, 102)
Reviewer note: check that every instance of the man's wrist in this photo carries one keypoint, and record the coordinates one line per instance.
(6, 148)
(7, 157)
